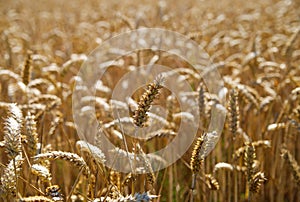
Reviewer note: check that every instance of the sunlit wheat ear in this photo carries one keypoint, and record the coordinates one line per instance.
(42, 172)
(197, 158)
(201, 100)
(38, 83)
(223, 165)
(96, 153)
(276, 126)
(36, 199)
(10, 175)
(249, 157)
(227, 166)
(10, 74)
(27, 70)
(249, 95)
(211, 182)
(140, 115)
(31, 134)
(260, 143)
(45, 98)
(67, 156)
(160, 134)
(234, 116)
(256, 182)
(12, 131)
(292, 164)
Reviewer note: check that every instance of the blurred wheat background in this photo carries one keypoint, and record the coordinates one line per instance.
(255, 45)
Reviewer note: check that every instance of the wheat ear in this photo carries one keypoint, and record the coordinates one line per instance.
(10, 176)
(12, 131)
(292, 164)
(71, 157)
(36, 199)
(31, 134)
(234, 116)
(256, 181)
(26, 70)
(140, 115)
(196, 162)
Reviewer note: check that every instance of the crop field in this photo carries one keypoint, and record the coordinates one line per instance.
(150, 100)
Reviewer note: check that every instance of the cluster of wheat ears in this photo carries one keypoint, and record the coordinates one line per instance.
(255, 46)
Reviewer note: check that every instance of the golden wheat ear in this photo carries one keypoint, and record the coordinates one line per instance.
(42, 172)
(256, 182)
(96, 153)
(140, 115)
(211, 182)
(67, 156)
(12, 131)
(196, 159)
(292, 164)
(249, 157)
(31, 134)
(27, 69)
(234, 116)
(10, 176)
(36, 199)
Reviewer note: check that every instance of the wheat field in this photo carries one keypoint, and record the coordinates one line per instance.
(255, 47)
